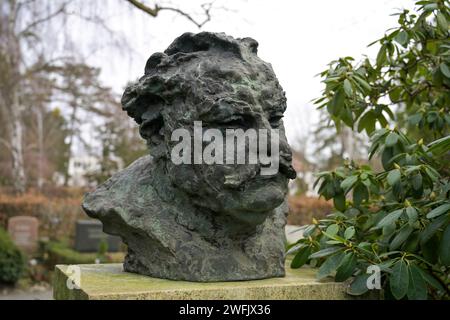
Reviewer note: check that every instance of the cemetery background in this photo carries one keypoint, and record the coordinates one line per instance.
(74, 136)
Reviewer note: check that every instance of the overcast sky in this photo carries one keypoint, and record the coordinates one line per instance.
(297, 37)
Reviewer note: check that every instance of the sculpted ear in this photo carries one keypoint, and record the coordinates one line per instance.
(145, 107)
(150, 128)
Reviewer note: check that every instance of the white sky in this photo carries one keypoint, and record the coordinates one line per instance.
(297, 37)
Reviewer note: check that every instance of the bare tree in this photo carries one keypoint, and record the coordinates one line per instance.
(24, 58)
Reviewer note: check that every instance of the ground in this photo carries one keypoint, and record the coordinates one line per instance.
(36, 292)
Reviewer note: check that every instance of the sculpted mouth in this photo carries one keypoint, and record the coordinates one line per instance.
(236, 180)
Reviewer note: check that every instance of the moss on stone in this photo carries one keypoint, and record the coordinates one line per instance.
(109, 281)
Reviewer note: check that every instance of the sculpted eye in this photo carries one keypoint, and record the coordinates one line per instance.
(242, 121)
(275, 120)
(232, 122)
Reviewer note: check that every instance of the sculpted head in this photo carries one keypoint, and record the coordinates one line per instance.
(220, 81)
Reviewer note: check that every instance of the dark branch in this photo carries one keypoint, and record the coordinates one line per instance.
(143, 7)
(154, 11)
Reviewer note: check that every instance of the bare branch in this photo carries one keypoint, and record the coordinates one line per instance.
(35, 23)
(143, 7)
(206, 9)
(47, 66)
(154, 11)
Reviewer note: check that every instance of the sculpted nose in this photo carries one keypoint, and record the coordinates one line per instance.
(285, 153)
(286, 159)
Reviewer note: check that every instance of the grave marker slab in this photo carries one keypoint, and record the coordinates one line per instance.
(24, 232)
(89, 234)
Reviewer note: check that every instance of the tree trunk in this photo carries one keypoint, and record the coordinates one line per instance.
(16, 135)
(40, 137)
(73, 119)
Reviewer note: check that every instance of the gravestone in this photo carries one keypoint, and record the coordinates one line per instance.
(89, 234)
(24, 232)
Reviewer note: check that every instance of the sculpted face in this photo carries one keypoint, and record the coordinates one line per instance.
(186, 84)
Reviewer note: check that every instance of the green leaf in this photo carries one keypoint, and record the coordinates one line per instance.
(330, 108)
(325, 252)
(445, 69)
(417, 288)
(444, 249)
(431, 280)
(395, 93)
(436, 212)
(295, 247)
(430, 249)
(367, 122)
(400, 238)
(440, 146)
(346, 116)
(349, 232)
(381, 57)
(411, 212)
(338, 102)
(390, 219)
(432, 173)
(398, 191)
(363, 83)
(309, 230)
(391, 139)
(389, 230)
(348, 183)
(417, 181)
(411, 244)
(330, 265)
(339, 202)
(402, 38)
(301, 257)
(348, 88)
(327, 189)
(346, 268)
(332, 229)
(393, 176)
(442, 22)
(359, 285)
(415, 119)
(386, 156)
(431, 6)
(360, 193)
(399, 279)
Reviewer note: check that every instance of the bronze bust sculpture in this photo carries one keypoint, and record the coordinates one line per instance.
(196, 221)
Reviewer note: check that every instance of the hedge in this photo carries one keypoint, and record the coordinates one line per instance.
(12, 261)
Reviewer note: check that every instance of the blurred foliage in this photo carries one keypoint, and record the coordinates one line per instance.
(333, 146)
(397, 218)
(301, 186)
(12, 261)
(57, 252)
(121, 144)
(303, 209)
(57, 213)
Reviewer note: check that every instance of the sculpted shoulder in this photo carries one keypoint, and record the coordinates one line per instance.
(126, 189)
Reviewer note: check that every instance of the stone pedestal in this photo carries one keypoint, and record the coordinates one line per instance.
(109, 281)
